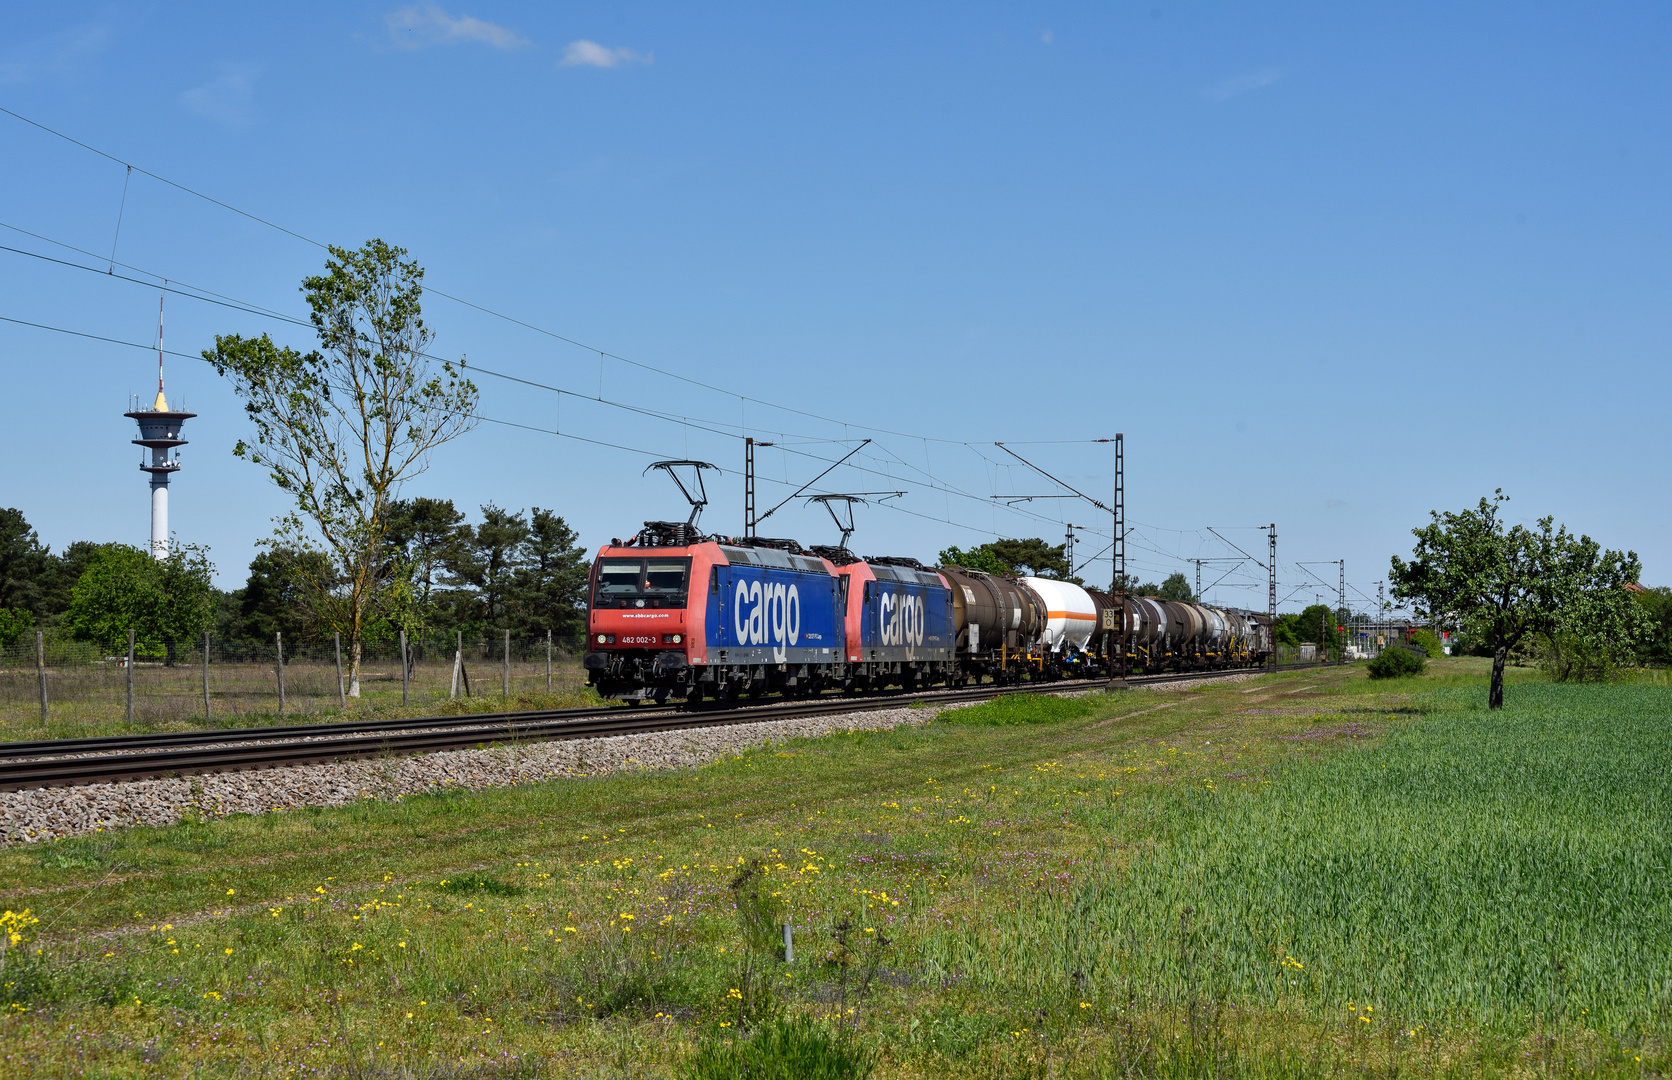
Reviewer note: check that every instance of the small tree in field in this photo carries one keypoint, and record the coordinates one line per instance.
(340, 429)
(1507, 583)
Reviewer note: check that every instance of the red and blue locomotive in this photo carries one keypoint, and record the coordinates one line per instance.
(675, 614)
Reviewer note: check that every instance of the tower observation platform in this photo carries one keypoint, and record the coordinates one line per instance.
(159, 432)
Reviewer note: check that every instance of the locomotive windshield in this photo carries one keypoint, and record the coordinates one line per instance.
(642, 582)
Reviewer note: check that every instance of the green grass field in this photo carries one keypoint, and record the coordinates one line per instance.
(1304, 875)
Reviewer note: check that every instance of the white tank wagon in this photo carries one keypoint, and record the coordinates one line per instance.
(1070, 613)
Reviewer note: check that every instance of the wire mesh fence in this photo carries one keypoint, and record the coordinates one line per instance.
(51, 688)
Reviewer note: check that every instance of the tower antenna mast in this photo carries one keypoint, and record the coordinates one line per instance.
(160, 296)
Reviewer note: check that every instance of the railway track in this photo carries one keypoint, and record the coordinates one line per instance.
(109, 759)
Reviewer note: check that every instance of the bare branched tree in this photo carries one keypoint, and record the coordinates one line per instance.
(341, 428)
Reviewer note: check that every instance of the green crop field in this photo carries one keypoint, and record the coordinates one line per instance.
(1309, 874)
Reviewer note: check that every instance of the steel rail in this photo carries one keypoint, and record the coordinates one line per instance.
(280, 732)
(117, 758)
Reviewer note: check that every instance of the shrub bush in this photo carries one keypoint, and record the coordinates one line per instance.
(1397, 662)
(1574, 657)
(1429, 642)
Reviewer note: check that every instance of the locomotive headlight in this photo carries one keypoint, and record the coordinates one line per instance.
(672, 639)
(601, 639)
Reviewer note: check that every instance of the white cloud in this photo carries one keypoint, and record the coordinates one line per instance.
(226, 99)
(585, 53)
(1242, 84)
(416, 26)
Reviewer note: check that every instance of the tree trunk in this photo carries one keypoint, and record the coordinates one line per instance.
(1495, 699)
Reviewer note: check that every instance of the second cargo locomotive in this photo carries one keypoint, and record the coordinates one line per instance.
(676, 614)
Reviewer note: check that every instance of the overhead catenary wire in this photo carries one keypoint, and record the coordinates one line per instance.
(527, 427)
(713, 427)
(554, 335)
(192, 356)
(490, 419)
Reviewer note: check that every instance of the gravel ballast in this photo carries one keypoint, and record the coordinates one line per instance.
(51, 813)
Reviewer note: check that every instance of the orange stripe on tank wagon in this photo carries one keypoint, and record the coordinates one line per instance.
(1068, 615)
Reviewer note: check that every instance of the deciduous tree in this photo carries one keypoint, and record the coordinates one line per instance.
(977, 558)
(1031, 557)
(1506, 582)
(340, 429)
(1176, 587)
(164, 601)
(1034, 557)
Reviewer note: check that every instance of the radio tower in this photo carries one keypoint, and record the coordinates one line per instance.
(159, 432)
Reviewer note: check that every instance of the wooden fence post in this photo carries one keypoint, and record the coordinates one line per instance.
(505, 676)
(278, 643)
(40, 669)
(342, 695)
(403, 669)
(130, 676)
(548, 660)
(207, 716)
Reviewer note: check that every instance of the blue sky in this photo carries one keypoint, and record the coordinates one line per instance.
(1325, 266)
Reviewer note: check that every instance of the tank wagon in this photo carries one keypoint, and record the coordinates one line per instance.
(676, 614)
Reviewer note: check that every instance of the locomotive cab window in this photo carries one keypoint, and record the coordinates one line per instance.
(642, 582)
(666, 577)
(619, 578)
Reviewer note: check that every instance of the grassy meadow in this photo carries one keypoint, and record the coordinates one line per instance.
(1307, 874)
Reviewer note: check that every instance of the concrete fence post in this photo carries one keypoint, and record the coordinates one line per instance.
(505, 674)
(342, 695)
(40, 669)
(548, 660)
(278, 644)
(404, 669)
(207, 717)
(130, 676)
